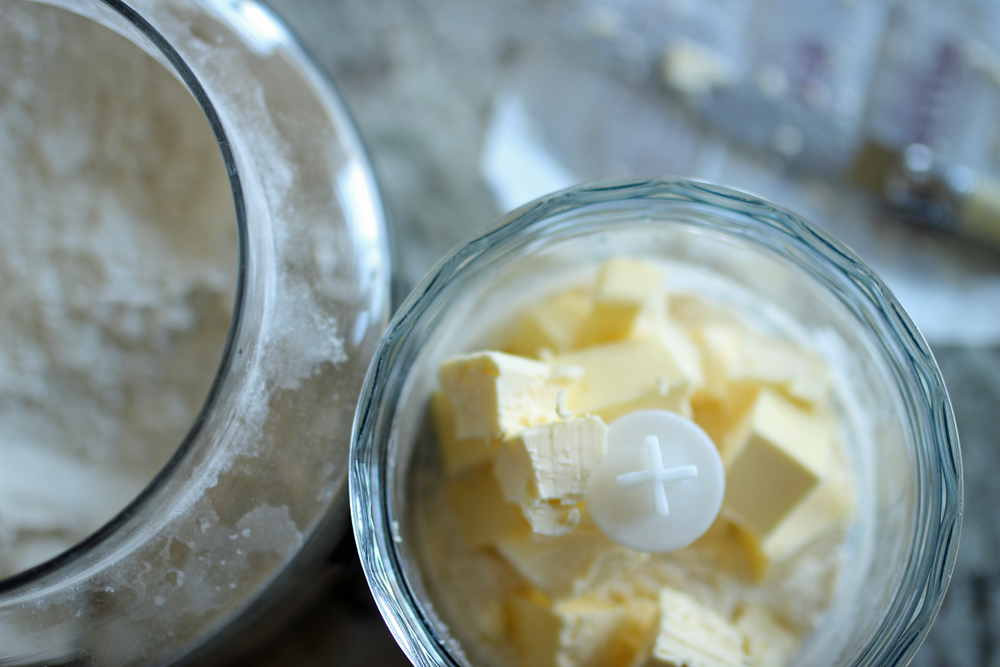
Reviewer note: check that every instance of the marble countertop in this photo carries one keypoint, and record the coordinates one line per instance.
(421, 78)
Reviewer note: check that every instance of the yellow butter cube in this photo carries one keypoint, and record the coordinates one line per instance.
(826, 509)
(457, 454)
(478, 504)
(552, 324)
(727, 549)
(534, 628)
(552, 461)
(721, 347)
(692, 635)
(720, 418)
(550, 518)
(580, 632)
(498, 395)
(545, 470)
(569, 564)
(624, 288)
(769, 643)
(618, 378)
(800, 373)
(684, 350)
(655, 322)
(694, 311)
(773, 461)
(736, 357)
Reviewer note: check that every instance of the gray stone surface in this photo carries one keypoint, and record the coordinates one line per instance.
(418, 76)
(968, 627)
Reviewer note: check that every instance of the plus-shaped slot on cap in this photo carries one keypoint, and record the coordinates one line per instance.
(680, 465)
(657, 476)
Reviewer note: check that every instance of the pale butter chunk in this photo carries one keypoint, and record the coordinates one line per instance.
(497, 395)
(619, 378)
(823, 512)
(826, 508)
(684, 350)
(657, 322)
(692, 635)
(585, 631)
(774, 460)
(483, 515)
(570, 564)
(552, 325)
(721, 346)
(457, 454)
(545, 470)
(801, 373)
(694, 312)
(720, 418)
(623, 290)
(550, 518)
(735, 356)
(769, 643)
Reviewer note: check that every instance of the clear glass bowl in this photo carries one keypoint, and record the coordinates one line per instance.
(895, 414)
(215, 549)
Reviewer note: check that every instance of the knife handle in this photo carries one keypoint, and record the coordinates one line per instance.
(978, 215)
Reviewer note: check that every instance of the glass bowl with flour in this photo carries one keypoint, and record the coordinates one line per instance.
(193, 277)
(478, 442)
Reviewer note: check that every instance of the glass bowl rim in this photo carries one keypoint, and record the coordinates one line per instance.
(767, 226)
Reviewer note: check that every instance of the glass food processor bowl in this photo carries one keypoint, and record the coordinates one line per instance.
(893, 410)
(215, 548)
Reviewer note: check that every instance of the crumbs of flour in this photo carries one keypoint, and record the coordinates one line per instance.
(117, 275)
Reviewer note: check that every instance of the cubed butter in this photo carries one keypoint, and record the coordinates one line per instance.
(534, 628)
(720, 418)
(736, 357)
(622, 377)
(498, 395)
(550, 518)
(475, 497)
(768, 642)
(551, 462)
(774, 460)
(692, 635)
(721, 346)
(624, 288)
(569, 564)
(729, 551)
(553, 324)
(656, 322)
(584, 631)
(693, 311)
(457, 454)
(545, 470)
(800, 373)
(826, 509)
(684, 350)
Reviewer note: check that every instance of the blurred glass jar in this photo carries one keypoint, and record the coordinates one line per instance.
(255, 498)
(894, 412)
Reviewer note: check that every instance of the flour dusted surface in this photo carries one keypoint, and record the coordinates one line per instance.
(117, 274)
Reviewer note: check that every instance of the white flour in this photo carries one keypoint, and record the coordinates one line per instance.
(117, 272)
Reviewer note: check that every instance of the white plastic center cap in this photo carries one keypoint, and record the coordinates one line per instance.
(661, 484)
